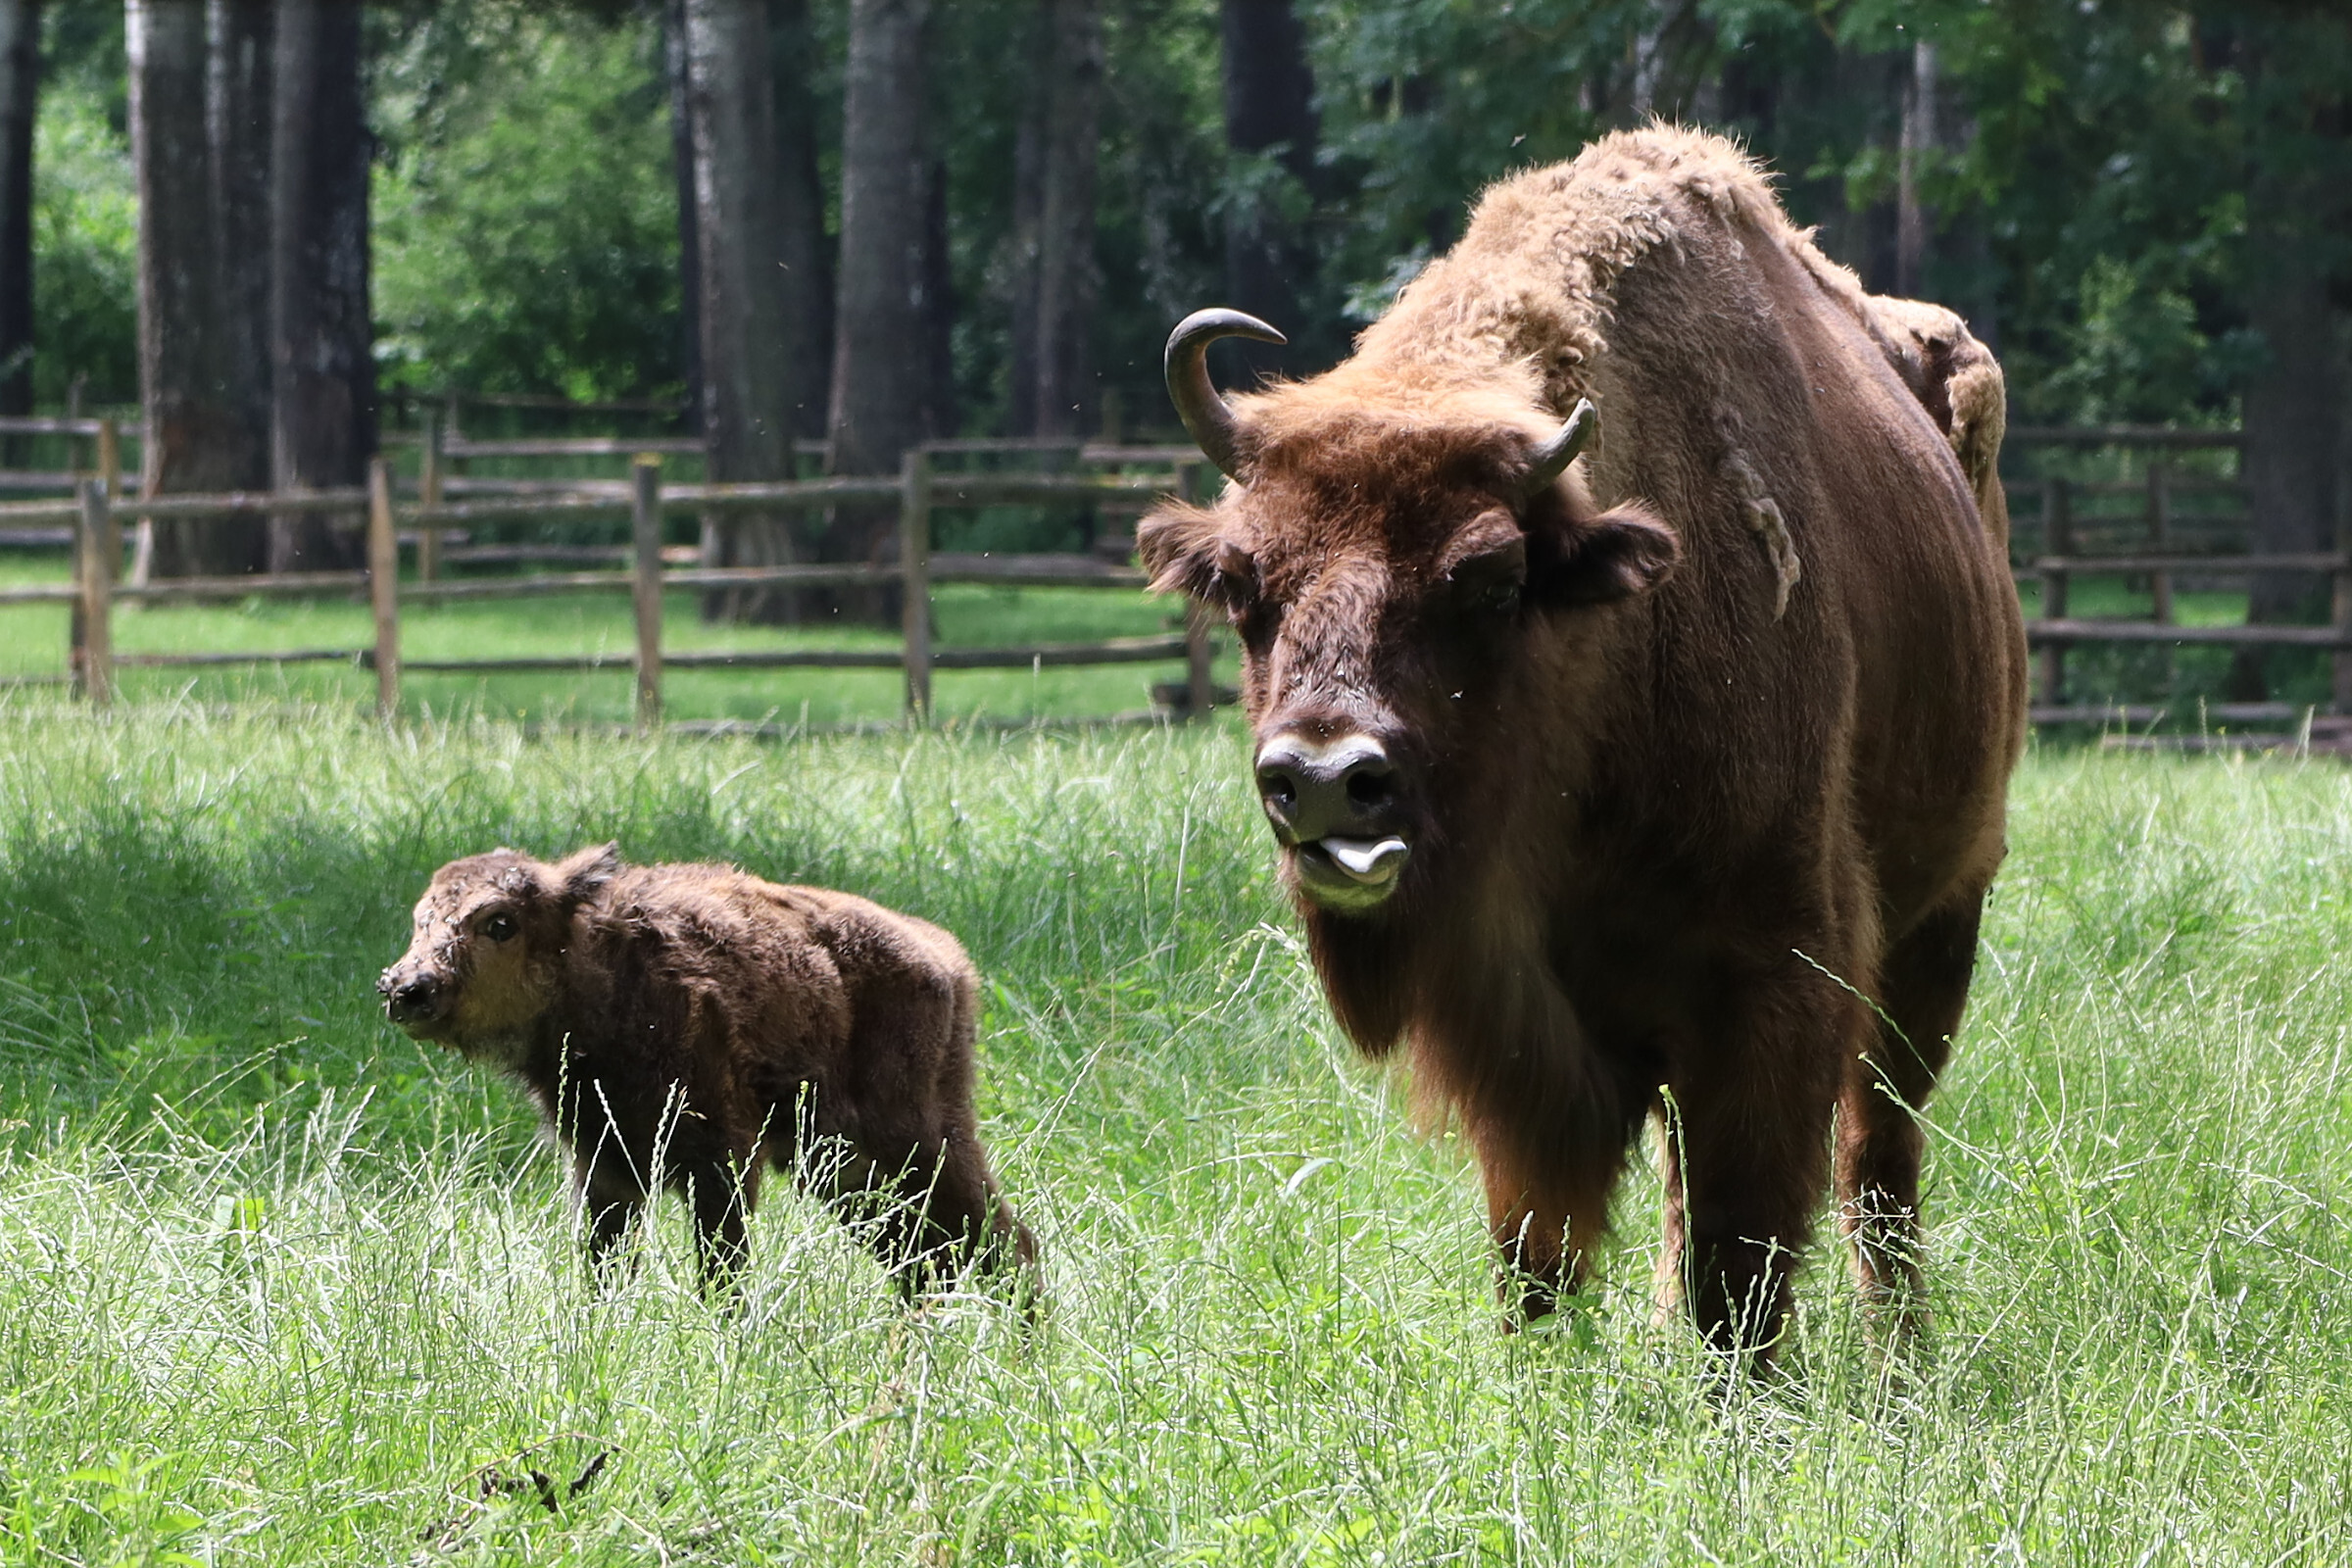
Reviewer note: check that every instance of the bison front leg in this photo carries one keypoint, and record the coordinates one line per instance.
(1546, 1229)
(1746, 1149)
(721, 1195)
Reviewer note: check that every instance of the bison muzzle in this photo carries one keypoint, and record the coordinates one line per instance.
(682, 1026)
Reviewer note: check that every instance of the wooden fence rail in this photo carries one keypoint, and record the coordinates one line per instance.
(2161, 550)
(919, 491)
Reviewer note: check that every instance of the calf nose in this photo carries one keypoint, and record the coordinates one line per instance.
(406, 998)
(1311, 788)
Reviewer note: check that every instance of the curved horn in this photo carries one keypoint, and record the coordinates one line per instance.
(1551, 460)
(1204, 414)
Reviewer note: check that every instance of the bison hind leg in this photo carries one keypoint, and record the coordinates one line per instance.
(1925, 978)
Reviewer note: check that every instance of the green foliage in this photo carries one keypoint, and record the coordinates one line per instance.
(2091, 195)
(525, 205)
(85, 242)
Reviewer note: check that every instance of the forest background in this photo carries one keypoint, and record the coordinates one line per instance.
(879, 220)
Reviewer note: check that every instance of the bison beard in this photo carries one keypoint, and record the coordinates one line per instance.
(1613, 787)
(682, 1025)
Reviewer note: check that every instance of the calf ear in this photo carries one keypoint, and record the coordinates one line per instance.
(1624, 551)
(583, 874)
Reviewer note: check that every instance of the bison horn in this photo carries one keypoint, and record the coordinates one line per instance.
(1551, 459)
(1204, 414)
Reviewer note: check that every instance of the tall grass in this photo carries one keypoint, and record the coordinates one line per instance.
(279, 1285)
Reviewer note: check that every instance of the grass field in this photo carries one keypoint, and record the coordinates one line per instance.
(277, 1286)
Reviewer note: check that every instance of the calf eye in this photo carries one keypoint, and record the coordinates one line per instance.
(500, 928)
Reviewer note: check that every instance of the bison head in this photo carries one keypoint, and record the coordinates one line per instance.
(483, 954)
(1387, 554)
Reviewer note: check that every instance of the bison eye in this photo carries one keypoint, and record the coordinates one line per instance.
(500, 927)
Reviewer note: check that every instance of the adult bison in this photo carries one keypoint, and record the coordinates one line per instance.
(1665, 783)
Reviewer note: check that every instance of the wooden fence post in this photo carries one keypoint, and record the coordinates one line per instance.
(2160, 535)
(914, 567)
(645, 519)
(101, 540)
(2057, 541)
(383, 587)
(2339, 659)
(429, 493)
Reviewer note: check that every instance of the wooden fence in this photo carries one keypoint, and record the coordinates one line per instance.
(2164, 546)
(918, 491)
(2062, 536)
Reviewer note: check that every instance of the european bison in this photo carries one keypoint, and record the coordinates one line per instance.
(1647, 785)
(680, 1024)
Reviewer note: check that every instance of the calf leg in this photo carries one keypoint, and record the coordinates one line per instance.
(939, 1211)
(1925, 981)
(611, 1203)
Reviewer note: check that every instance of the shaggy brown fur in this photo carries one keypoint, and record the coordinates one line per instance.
(678, 1024)
(1692, 752)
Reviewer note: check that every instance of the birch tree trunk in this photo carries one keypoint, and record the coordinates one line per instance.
(322, 390)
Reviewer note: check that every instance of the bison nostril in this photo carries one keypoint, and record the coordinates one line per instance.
(1368, 789)
(1278, 787)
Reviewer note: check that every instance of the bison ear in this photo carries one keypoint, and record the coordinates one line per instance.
(1187, 552)
(583, 874)
(1624, 551)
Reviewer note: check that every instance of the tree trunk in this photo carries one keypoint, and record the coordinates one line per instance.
(240, 34)
(800, 196)
(1270, 134)
(322, 385)
(184, 389)
(1052, 392)
(1915, 221)
(755, 370)
(941, 412)
(690, 245)
(2293, 404)
(20, 90)
(884, 368)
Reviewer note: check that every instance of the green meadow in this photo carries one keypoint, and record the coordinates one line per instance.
(278, 1285)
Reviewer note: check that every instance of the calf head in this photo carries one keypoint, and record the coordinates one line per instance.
(1384, 556)
(483, 958)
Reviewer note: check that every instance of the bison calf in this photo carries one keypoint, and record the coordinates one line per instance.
(678, 1024)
